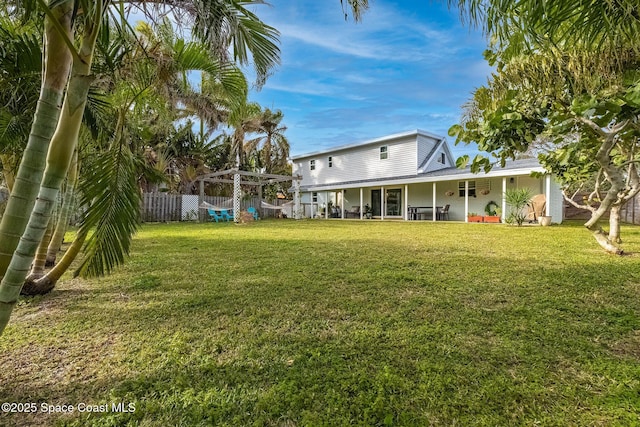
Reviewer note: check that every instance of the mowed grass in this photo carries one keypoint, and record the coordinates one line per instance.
(338, 323)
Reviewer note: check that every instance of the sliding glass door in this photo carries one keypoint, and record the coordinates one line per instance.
(394, 202)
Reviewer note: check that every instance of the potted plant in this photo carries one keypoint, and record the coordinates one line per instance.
(368, 213)
(491, 209)
(474, 217)
(544, 220)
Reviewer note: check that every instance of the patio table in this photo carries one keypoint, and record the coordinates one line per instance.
(422, 212)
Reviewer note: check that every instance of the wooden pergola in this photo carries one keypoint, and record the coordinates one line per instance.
(236, 177)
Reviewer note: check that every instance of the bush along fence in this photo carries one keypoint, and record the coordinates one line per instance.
(165, 207)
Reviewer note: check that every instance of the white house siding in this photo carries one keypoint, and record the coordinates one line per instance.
(557, 208)
(360, 163)
(425, 147)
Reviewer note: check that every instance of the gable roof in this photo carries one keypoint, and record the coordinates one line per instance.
(380, 140)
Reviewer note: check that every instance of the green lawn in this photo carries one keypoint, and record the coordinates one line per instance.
(284, 323)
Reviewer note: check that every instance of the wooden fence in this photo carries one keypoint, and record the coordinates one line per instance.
(630, 213)
(164, 207)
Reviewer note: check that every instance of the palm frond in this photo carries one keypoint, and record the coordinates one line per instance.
(113, 198)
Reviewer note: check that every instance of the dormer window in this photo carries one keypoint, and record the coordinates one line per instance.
(312, 165)
(330, 161)
(442, 159)
(384, 152)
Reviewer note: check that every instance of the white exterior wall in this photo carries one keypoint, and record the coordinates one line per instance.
(360, 163)
(425, 146)
(557, 202)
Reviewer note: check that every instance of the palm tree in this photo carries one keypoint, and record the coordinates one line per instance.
(219, 23)
(246, 29)
(272, 146)
(592, 24)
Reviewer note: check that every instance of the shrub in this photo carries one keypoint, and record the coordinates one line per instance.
(517, 199)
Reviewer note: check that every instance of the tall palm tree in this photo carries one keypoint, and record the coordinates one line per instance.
(245, 27)
(221, 24)
(593, 24)
(271, 146)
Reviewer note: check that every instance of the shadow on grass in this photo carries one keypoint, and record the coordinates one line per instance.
(344, 331)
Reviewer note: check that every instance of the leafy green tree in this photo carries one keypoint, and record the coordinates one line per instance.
(591, 120)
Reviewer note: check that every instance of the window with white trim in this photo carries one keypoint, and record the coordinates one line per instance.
(384, 152)
(330, 161)
(314, 197)
(472, 188)
(442, 159)
(312, 165)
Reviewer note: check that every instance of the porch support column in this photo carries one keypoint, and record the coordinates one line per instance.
(504, 199)
(382, 206)
(361, 206)
(547, 195)
(405, 215)
(466, 201)
(433, 190)
(296, 199)
(342, 215)
(326, 204)
(200, 200)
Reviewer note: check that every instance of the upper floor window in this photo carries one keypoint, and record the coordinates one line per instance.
(312, 165)
(330, 161)
(314, 197)
(384, 152)
(472, 188)
(442, 159)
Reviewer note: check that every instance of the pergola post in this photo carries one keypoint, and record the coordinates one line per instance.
(236, 197)
(201, 214)
(259, 207)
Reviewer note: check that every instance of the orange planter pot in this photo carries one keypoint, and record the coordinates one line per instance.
(492, 219)
(474, 218)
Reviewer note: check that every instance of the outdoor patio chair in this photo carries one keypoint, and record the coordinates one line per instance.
(536, 207)
(227, 215)
(253, 212)
(354, 212)
(444, 213)
(215, 216)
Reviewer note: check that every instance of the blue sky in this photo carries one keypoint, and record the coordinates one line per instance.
(408, 65)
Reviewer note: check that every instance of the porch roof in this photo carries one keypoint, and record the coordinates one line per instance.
(511, 168)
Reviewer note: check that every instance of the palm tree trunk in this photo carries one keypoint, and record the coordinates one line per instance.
(61, 149)
(47, 282)
(57, 62)
(37, 269)
(65, 211)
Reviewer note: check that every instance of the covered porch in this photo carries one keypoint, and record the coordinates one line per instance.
(454, 196)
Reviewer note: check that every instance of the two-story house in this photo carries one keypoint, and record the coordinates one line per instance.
(411, 175)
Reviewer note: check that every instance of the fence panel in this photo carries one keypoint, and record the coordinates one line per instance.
(164, 207)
